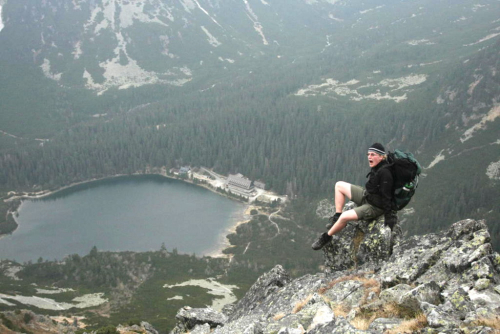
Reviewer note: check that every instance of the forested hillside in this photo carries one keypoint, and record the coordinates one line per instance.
(291, 93)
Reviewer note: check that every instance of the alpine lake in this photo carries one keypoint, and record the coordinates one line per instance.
(129, 213)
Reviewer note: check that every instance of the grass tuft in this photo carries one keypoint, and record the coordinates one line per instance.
(279, 316)
(340, 310)
(301, 304)
(363, 322)
(410, 326)
(492, 322)
(367, 282)
(394, 310)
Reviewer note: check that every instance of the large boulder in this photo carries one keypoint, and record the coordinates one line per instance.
(190, 318)
(427, 292)
(367, 243)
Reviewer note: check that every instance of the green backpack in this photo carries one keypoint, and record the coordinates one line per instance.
(405, 170)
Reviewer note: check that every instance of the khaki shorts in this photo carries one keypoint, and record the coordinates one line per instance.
(364, 210)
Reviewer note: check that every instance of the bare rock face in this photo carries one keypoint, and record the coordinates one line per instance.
(266, 285)
(448, 282)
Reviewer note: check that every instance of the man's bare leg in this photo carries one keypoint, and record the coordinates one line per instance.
(337, 227)
(342, 190)
(342, 221)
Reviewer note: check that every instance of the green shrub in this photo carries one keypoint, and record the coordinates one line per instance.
(27, 317)
(107, 330)
(133, 322)
(7, 322)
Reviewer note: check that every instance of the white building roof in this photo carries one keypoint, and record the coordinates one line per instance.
(238, 181)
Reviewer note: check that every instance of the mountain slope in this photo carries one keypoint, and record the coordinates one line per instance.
(462, 173)
(263, 88)
(115, 43)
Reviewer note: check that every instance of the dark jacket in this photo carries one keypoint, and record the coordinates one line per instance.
(379, 187)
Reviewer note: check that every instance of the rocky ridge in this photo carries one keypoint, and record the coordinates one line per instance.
(374, 281)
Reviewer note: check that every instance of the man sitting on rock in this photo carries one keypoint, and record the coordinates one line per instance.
(372, 201)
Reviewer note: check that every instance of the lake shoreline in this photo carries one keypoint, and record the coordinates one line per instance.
(216, 252)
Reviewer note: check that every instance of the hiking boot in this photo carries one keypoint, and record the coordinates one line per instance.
(332, 220)
(321, 242)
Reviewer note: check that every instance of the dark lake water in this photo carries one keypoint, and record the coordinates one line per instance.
(133, 213)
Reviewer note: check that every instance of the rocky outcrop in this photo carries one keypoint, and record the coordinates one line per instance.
(361, 243)
(448, 282)
(143, 328)
(198, 319)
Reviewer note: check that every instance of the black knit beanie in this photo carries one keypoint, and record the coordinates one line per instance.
(377, 148)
